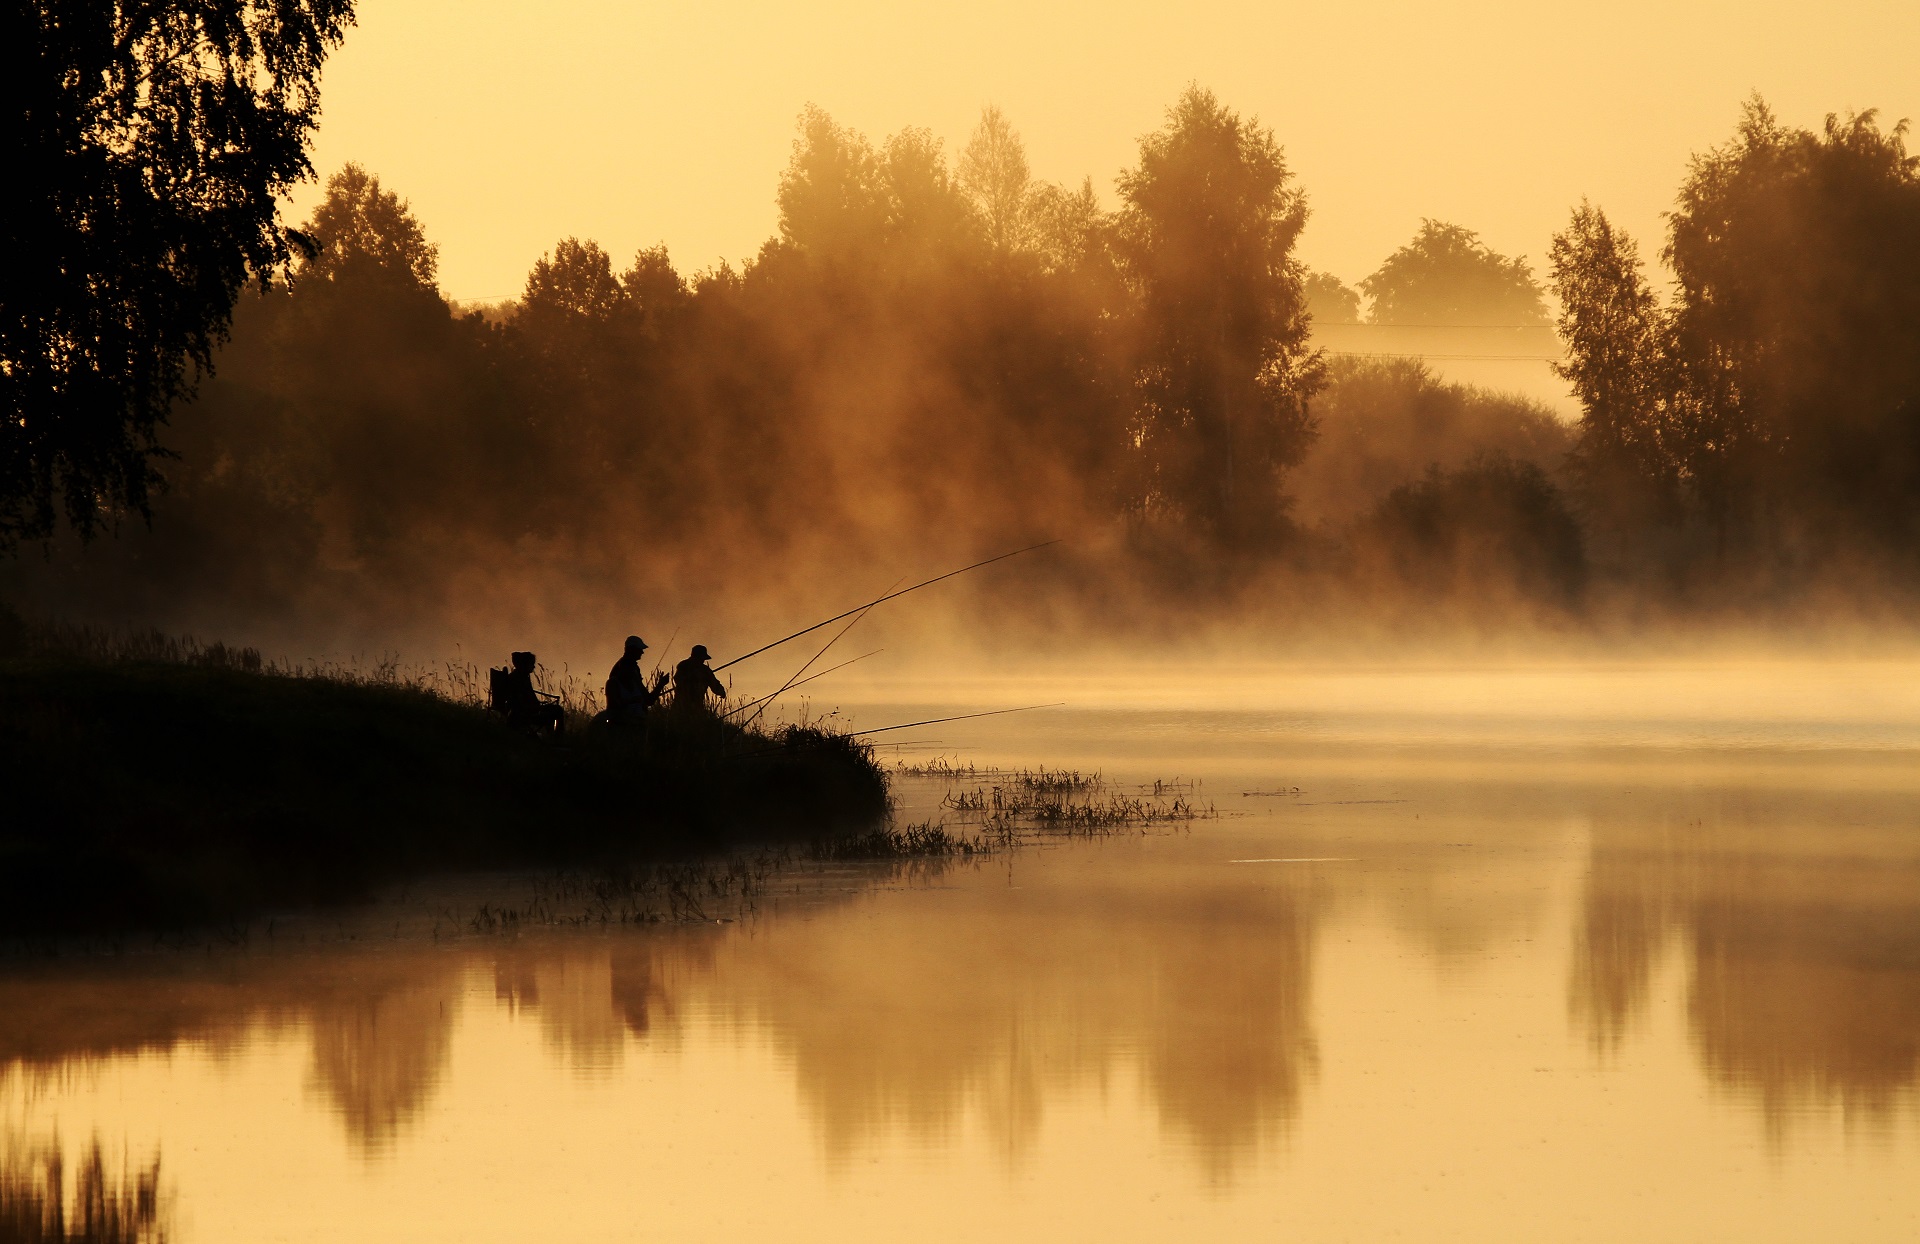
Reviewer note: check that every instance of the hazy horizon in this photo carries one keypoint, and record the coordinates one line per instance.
(655, 126)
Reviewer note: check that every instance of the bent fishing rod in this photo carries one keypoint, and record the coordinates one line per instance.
(883, 600)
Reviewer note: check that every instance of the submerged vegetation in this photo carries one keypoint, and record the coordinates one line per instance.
(156, 782)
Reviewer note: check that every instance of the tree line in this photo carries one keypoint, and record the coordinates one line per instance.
(1764, 417)
(944, 355)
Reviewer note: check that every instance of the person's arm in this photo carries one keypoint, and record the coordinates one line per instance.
(719, 688)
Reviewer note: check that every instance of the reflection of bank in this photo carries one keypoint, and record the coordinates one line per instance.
(1798, 918)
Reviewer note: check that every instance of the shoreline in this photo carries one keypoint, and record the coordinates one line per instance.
(167, 794)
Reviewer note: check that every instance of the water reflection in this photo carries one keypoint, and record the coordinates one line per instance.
(999, 997)
(39, 1204)
(911, 1010)
(1388, 991)
(379, 1056)
(1797, 920)
(379, 1025)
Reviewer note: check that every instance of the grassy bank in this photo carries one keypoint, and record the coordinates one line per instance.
(155, 786)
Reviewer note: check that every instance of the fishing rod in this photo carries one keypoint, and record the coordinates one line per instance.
(795, 679)
(883, 600)
(741, 708)
(664, 651)
(934, 721)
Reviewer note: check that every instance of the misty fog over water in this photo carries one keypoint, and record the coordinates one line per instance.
(1424, 750)
(1647, 978)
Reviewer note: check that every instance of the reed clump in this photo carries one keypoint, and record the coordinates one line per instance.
(924, 840)
(1081, 811)
(1009, 804)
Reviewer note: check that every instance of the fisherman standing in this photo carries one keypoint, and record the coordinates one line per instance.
(628, 694)
(692, 680)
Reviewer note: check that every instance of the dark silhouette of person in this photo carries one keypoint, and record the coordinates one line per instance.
(527, 709)
(692, 680)
(629, 695)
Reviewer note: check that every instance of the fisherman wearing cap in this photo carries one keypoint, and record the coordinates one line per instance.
(692, 680)
(628, 695)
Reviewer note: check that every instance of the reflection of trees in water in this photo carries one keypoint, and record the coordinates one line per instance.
(590, 997)
(908, 1016)
(571, 995)
(1801, 931)
(909, 1012)
(37, 1205)
(380, 1025)
(377, 1058)
(1232, 1048)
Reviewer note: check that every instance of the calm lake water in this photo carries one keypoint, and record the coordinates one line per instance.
(1604, 954)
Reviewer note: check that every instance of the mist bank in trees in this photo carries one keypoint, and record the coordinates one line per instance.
(1761, 428)
(935, 358)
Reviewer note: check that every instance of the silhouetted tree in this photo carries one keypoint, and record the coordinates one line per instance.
(1797, 333)
(1447, 275)
(1627, 461)
(1071, 233)
(993, 172)
(654, 289)
(927, 212)
(830, 197)
(574, 282)
(1207, 235)
(358, 224)
(148, 143)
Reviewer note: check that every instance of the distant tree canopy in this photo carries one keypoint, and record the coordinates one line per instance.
(1331, 300)
(1777, 398)
(1447, 275)
(150, 141)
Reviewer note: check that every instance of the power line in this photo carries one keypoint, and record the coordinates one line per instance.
(1473, 358)
(1413, 324)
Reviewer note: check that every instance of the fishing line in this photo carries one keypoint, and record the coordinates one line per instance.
(884, 599)
(934, 721)
(741, 708)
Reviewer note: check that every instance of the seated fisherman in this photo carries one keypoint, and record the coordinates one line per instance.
(628, 694)
(527, 709)
(692, 680)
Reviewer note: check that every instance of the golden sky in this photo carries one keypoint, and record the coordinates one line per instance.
(510, 125)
